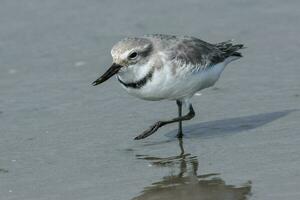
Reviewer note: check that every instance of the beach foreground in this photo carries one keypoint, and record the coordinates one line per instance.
(61, 138)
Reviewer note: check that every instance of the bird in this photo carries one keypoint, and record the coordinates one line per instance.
(168, 67)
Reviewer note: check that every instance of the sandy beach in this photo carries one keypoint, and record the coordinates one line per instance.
(63, 139)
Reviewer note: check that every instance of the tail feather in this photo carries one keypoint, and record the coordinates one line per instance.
(230, 49)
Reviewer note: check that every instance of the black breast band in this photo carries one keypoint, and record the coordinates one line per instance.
(137, 84)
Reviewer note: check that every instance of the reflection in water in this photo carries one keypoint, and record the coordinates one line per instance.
(187, 185)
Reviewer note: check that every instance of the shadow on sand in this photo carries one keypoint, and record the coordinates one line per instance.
(187, 184)
(231, 125)
(223, 127)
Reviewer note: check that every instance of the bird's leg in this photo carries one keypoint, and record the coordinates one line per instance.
(179, 105)
(159, 124)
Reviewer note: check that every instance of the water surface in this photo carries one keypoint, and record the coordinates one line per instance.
(61, 138)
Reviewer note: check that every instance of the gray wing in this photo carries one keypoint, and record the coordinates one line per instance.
(197, 52)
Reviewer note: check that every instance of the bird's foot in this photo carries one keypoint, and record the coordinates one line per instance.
(149, 131)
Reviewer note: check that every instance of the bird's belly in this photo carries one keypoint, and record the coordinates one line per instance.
(190, 83)
(164, 86)
(210, 76)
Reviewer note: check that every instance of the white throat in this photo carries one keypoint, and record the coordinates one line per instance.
(135, 72)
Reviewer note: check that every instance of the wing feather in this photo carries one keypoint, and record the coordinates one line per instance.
(196, 52)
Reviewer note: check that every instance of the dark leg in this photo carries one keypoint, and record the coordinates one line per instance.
(159, 124)
(181, 147)
(179, 105)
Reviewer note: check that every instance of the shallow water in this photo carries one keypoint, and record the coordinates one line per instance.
(61, 138)
(185, 183)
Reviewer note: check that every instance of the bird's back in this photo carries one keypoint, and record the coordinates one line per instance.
(195, 51)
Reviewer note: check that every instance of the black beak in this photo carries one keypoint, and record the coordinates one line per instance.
(109, 73)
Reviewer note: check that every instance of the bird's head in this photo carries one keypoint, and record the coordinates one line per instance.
(129, 54)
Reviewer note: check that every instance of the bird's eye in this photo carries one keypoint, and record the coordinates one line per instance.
(133, 55)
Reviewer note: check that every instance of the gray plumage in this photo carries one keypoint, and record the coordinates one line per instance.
(189, 50)
(192, 50)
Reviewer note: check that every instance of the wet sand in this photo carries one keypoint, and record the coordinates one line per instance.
(61, 138)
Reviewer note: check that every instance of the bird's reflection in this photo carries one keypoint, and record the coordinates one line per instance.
(187, 184)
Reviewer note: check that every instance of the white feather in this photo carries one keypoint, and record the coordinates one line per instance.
(167, 85)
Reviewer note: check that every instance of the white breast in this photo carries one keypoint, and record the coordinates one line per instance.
(179, 84)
